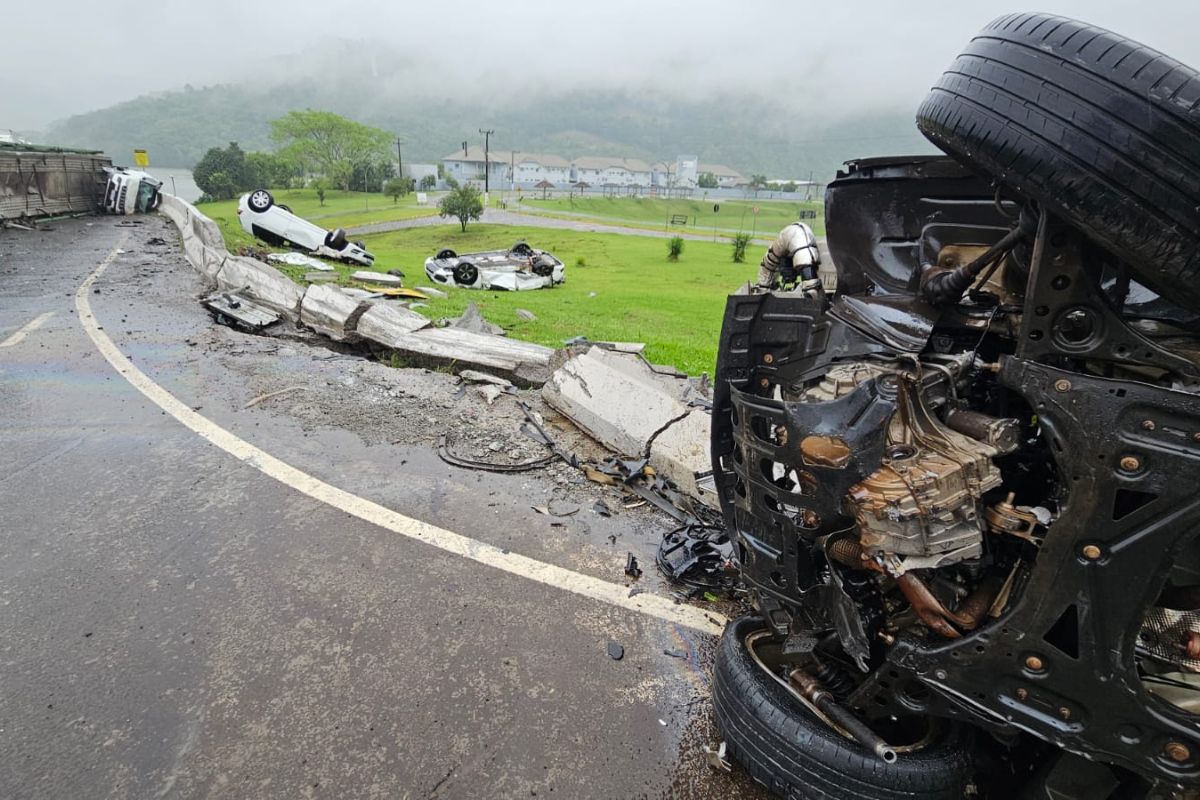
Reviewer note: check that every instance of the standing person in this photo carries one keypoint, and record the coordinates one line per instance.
(792, 258)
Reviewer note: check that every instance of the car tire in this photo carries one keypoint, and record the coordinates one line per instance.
(1102, 131)
(799, 757)
(521, 249)
(446, 253)
(465, 273)
(260, 200)
(336, 239)
(286, 208)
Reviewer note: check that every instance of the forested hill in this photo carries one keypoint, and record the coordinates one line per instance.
(743, 132)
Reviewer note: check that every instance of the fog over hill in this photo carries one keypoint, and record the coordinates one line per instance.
(771, 87)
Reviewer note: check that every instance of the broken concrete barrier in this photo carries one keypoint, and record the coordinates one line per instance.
(384, 323)
(523, 363)
(622, 402)
(330, 311)
(265, 284)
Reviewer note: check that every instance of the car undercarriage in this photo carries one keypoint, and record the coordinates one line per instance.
(962, 495)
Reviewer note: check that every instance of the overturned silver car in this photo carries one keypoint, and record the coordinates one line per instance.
(516, 269)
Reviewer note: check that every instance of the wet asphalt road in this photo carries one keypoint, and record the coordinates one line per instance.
(173, 623)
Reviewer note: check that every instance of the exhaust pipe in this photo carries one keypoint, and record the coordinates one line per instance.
(820, 697)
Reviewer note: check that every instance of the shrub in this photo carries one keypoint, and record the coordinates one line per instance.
(740, 242)
(428, 182)
(674, 248)
(465, 202)
(581, 261)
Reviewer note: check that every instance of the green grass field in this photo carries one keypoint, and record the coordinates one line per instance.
(675, 308)
(653, 212)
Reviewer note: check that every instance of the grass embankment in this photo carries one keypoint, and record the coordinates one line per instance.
(675, 308)
(655, 213)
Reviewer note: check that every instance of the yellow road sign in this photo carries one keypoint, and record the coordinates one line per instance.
(141, 158)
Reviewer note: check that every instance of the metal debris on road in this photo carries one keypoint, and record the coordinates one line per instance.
(631, 566)
(232, 309)
(455, 460)
(699, 558)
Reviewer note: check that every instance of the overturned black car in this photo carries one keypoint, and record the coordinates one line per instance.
(962, 489)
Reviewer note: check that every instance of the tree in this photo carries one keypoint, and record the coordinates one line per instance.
(397, 188)
(758, 183)
(674, 248)
(706, 180)
(332, 145)
(740, 242)
(321, 186)
(229, 164)
(268, 170)
(369, 175)
(428, 182)
(464, 202)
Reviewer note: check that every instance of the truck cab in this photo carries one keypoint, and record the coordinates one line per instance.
(130, 191)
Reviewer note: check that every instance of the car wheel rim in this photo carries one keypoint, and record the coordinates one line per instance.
(259, 199)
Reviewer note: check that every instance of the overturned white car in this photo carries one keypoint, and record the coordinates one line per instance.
(276, 225)
(130, 191)
(517, 269)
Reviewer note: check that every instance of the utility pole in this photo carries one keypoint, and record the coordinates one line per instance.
(399, 160)
(487, 167)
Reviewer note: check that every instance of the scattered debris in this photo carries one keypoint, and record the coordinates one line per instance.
(676, 654)
(319, 277)
(455, 460)
(156, 241)
(300, 260)
(472, 320)
(602, 508)
(631, 566)
(526, 315)
(620, 347)
(716, 758)
(636, 590)
(275, 393)
(370, 276)
(475, 376)
(699, 558)
(615, 651)
(231, 309)
(489, 392)
(432, 292)
(562, 508)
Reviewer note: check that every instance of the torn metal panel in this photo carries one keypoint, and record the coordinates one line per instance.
(239, 310)
(299, 260)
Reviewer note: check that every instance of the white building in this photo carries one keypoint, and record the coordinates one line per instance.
(606, 171)
(532, 168)
(727, 177)
(468, 166)
(687, 171)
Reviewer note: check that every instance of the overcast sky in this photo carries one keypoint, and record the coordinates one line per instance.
(63, 58)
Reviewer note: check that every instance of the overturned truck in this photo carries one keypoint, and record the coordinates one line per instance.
(962, 489)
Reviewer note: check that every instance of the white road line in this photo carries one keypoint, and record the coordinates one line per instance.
(584, 585)
(27, 329)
